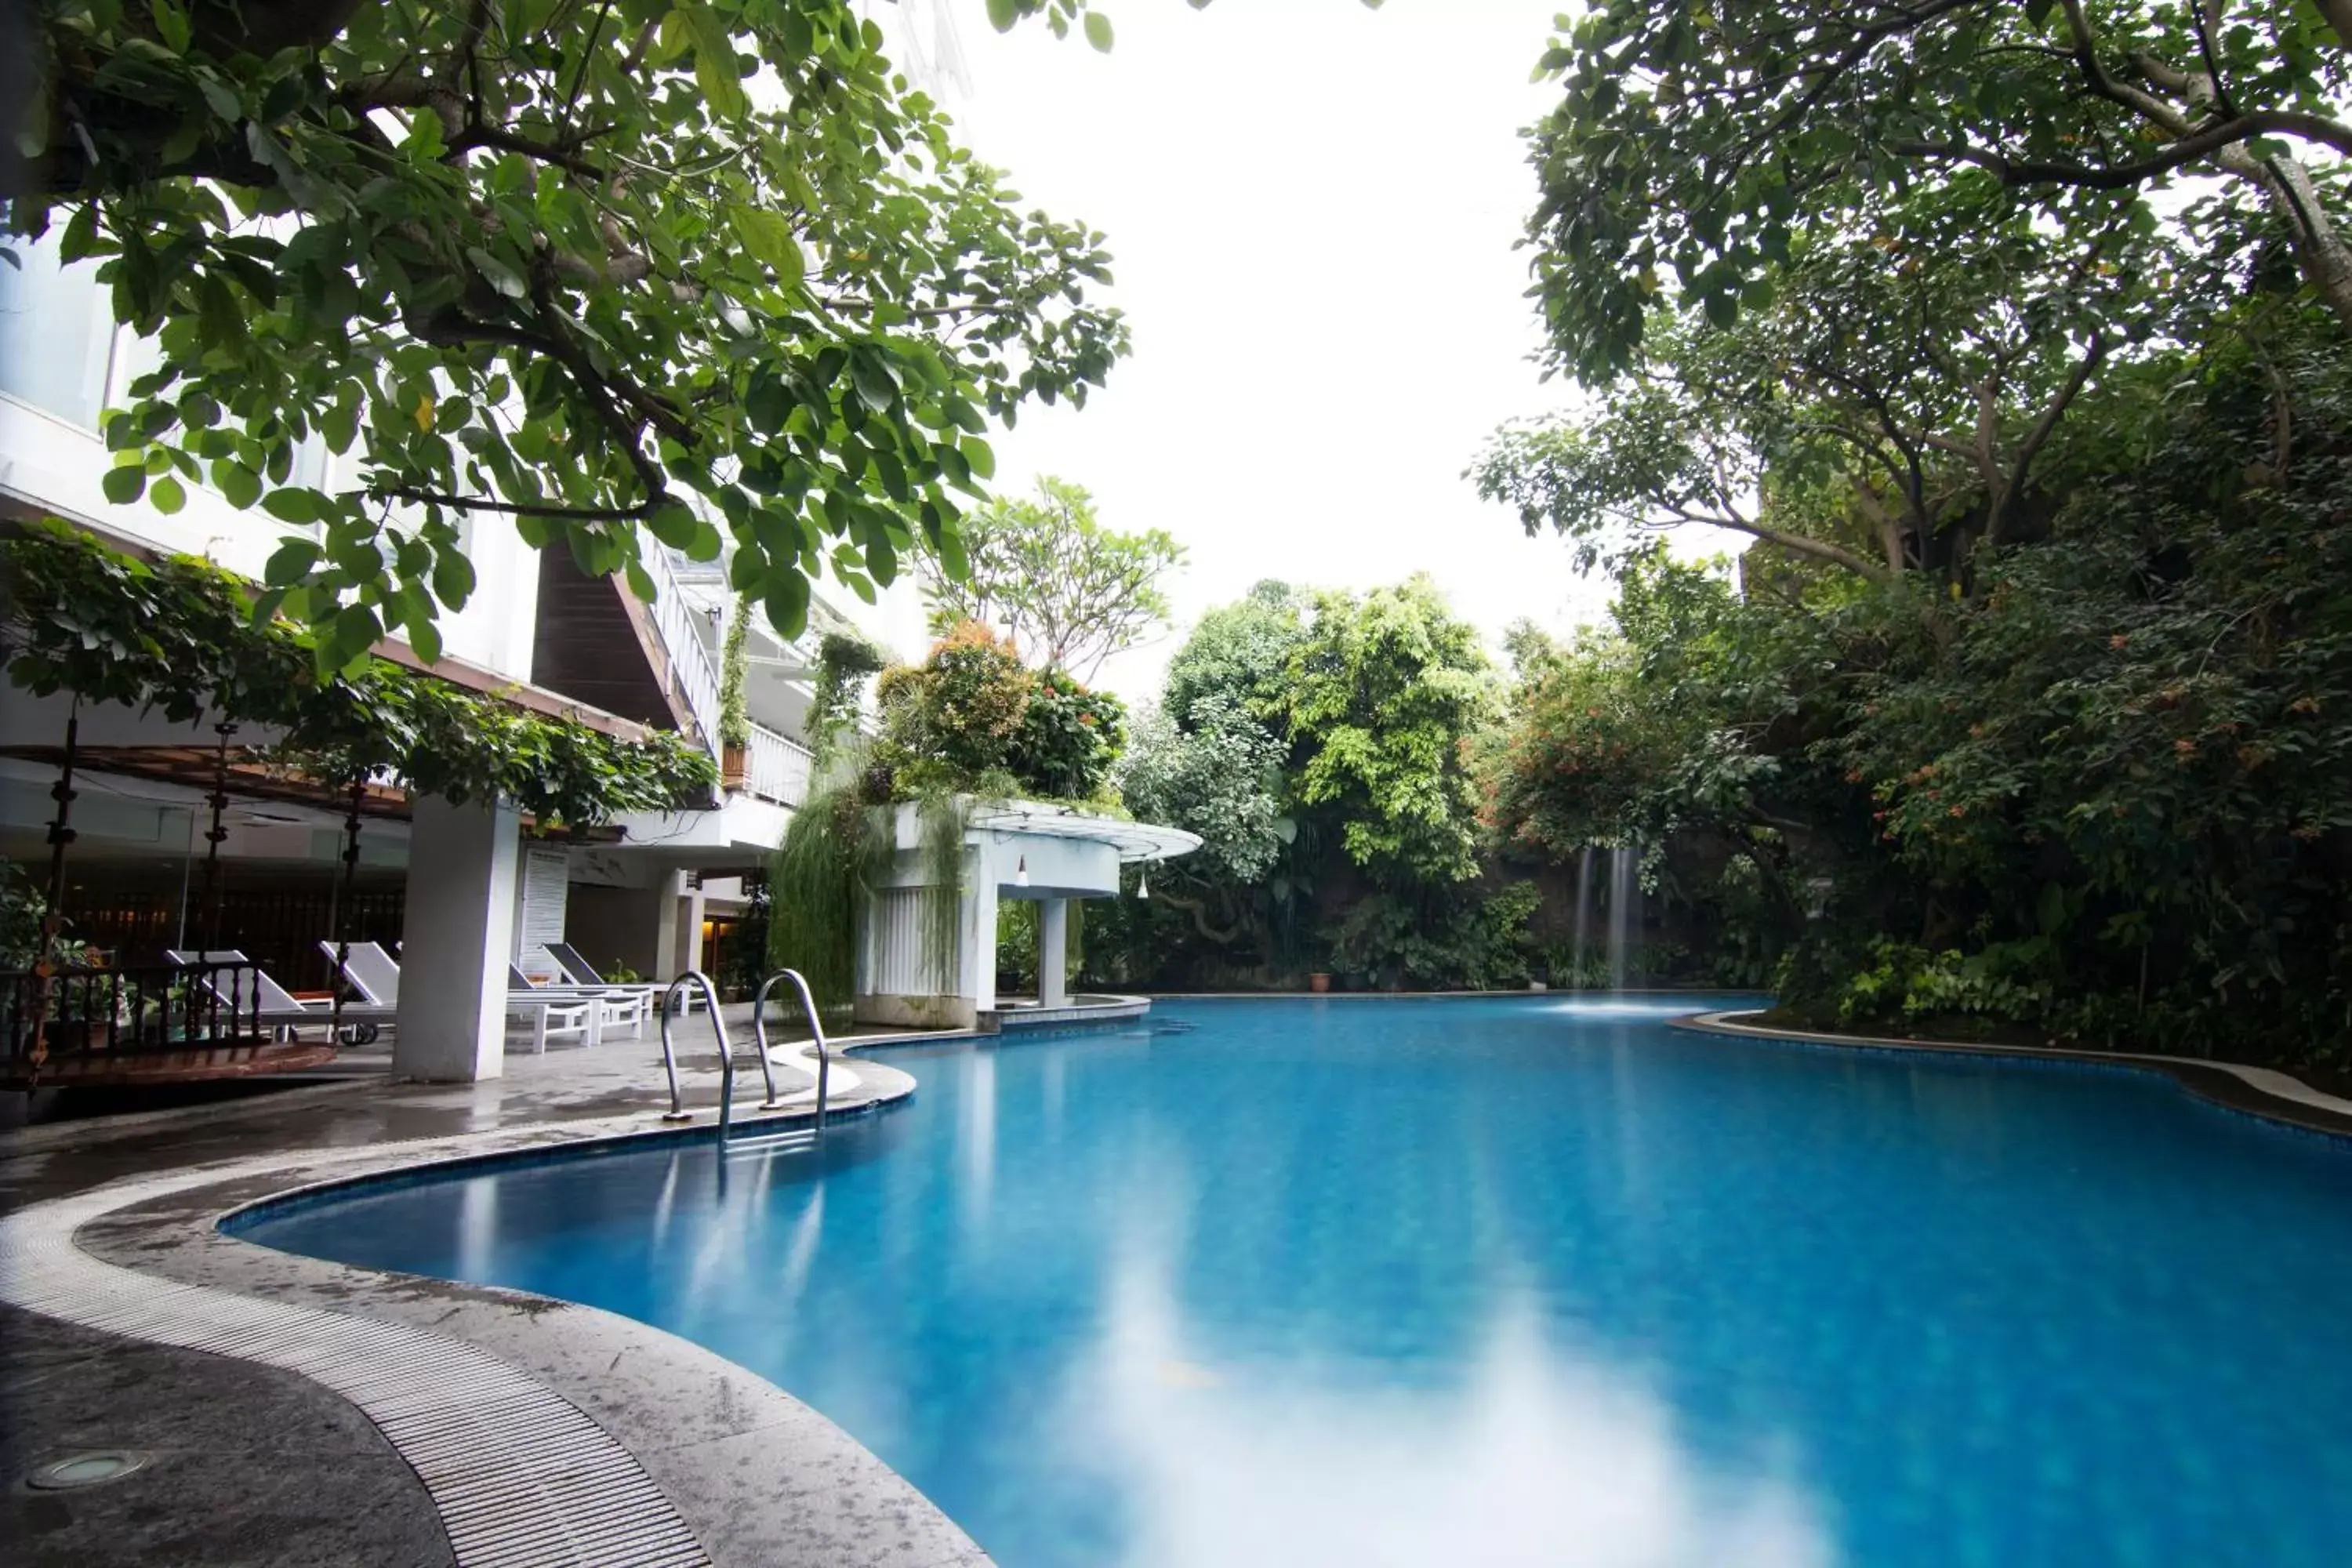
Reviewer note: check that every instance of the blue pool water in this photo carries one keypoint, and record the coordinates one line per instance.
(1500, 1282)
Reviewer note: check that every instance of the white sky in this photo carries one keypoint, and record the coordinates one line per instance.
(1311, 207)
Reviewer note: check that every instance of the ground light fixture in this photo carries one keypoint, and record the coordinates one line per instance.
(84, 1470)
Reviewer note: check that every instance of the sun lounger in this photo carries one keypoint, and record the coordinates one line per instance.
(250, 990)
(620, 1007)
(375, 976)
(580, 972)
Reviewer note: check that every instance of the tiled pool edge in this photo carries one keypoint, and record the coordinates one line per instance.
(2263, 1093)
(720, 1457)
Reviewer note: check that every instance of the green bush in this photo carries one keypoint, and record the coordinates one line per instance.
(1068, 740)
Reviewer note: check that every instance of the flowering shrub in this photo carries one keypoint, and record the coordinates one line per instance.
(971, 719)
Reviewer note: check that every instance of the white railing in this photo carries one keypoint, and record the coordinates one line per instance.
(693, 675)
(777, 768)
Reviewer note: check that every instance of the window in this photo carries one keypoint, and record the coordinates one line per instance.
(56, 333)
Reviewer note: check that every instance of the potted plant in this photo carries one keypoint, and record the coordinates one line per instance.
(1320, 981)
(734, 710)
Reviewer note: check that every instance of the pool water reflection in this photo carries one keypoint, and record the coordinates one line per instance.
(1497, 1281)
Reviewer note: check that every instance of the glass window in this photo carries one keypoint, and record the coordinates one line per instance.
(56, 333)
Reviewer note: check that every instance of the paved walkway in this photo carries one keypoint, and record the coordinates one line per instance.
(246, 1462)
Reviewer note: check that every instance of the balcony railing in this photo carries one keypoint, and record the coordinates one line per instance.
(693, 674)
(777, 768)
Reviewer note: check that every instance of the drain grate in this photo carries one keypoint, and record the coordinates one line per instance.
(522, 1479)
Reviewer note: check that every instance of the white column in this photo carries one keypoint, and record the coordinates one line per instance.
(669, 898)
(977, 940)
(1052, 952)
(690, 934)
(456, 940)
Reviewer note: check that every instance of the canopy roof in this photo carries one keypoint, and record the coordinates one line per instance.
(1136, 842)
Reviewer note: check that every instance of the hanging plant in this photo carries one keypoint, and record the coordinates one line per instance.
(843, 660)
(734, 712)
(180, 637)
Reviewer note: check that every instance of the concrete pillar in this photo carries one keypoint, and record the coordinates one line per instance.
(1052, 952)
(668, 902)
(978, 937)
(690, 926)
(456, 940)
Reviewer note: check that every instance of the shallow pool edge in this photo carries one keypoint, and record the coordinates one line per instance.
(2266, 1094)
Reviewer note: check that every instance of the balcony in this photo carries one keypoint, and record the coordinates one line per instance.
(777, 768)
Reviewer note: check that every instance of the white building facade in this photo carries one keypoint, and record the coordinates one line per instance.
(462, 890)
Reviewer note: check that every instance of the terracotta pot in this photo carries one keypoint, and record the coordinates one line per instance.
(1319, 983)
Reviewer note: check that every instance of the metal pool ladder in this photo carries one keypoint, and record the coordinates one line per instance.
(670, 1013)
(816, 1032)
(677, 1112)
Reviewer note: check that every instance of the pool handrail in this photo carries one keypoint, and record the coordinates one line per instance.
(677, 1112)
(816, 1031)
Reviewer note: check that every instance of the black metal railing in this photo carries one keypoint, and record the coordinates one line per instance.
(80, 1017)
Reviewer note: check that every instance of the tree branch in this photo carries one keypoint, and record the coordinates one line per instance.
(2189, 149)
(643, 509)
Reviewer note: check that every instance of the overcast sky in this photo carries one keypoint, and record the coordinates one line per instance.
(1311, 207)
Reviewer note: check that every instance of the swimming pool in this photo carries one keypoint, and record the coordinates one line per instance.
(1496, 1281)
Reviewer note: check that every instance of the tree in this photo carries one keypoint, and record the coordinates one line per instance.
(1703, 140)
(1376, 700)
(1888, 408)
(1219, 778)
(1068, 591)
(639, 265)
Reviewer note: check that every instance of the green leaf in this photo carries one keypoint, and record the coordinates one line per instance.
(876, 388)
(167, 495)
(349, 635)
(769, 237)
(425, 638)
(787, 602)
(674, 525)
(295, 506)
(715, 69)
(453, 579)
(219, 96)
(290, 562)
(1003, 14)
(1099, 31)
(125, 485)
(641, 582)
(977, 453)
(501, 277)
(170, 25)
(238, 485)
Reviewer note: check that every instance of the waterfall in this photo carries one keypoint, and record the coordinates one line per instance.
(1583, 913)
(1624, 901)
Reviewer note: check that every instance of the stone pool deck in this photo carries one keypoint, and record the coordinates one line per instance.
(286, 1410)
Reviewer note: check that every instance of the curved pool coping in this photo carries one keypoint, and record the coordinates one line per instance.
(2264, 1092)
(545, 1431)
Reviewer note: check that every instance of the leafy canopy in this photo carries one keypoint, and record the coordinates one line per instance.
(1695, 143)
(669, 266)
(1886, 409)
(1069, 592)
(1376, 698)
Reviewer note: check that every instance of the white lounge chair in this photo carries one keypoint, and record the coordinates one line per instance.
(250, 992)
(619, 1006)
(585, 975)
(376, 976)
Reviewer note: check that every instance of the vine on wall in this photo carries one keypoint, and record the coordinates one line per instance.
(179, 637)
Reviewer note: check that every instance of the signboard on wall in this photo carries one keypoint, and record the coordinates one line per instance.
(546, 881)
